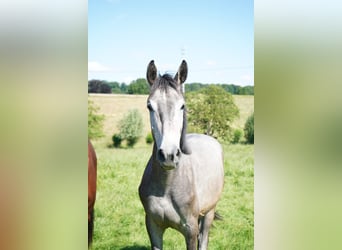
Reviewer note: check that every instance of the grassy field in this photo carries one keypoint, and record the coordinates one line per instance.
(119, 222)
(119, 215)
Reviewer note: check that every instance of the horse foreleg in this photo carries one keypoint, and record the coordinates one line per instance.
(190, 232)
(191, 242)
(155, 233)
(90, 226)
(205, 223)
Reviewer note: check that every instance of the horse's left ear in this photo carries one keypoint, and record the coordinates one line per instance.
(182, 73)
(151, 74)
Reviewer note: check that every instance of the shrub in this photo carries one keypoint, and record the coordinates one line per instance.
(149, 138)
(249, 129)
(131, 127)
(132, 141)
(237, 136)
(116, 140)
(95, 121)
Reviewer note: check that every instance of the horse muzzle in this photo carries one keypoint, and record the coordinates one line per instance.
(169, 161)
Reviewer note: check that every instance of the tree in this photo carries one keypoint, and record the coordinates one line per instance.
(138, 87)
(211, 111)
(98, 86)
(193, 86)
(123, 88)
(131, 127)
(94, 86)
(247, 90)
(105, 88)
(95, 121)
(115, 87)
(231, 88)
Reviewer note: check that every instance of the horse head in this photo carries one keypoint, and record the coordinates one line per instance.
(166, 105)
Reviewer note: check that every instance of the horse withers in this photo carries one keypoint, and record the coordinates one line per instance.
(92, 172)
(184, 177)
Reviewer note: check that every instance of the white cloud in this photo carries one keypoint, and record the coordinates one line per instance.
(97, 67)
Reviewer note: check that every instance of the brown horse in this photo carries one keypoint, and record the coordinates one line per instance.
(92, 172)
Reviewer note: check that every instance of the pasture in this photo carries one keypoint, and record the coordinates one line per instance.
(119, 215)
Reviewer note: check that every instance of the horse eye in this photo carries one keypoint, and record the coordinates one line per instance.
(182, 108)
(149, 106)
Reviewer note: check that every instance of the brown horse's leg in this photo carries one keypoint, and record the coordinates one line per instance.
(205, 223)
(92, 172)
(90, 227)
(155, 233)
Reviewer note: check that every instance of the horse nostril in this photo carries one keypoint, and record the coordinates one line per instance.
(178, 153)
(161, 155)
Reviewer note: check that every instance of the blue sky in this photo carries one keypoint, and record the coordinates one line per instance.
(215, 37)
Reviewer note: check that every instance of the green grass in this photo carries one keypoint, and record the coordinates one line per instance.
(119, 215)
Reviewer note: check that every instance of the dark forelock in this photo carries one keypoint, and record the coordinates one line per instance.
(164, 82)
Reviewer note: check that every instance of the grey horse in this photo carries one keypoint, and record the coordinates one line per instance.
(184, 177)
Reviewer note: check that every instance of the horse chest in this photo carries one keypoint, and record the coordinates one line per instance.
(166, 211)
(171, 200)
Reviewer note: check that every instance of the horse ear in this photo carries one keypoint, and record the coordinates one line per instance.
(182, 73)
(151, 74)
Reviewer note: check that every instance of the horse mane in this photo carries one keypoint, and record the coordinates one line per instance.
(165, 81)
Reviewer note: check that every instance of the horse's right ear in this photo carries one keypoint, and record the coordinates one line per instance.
(151, 74)
(182, 73)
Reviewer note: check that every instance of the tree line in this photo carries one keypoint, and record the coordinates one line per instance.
(230, 88)
(140, 87)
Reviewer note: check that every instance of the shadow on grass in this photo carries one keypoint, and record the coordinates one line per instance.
(135, 248)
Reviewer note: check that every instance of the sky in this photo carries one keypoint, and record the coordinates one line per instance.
(215, 37)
